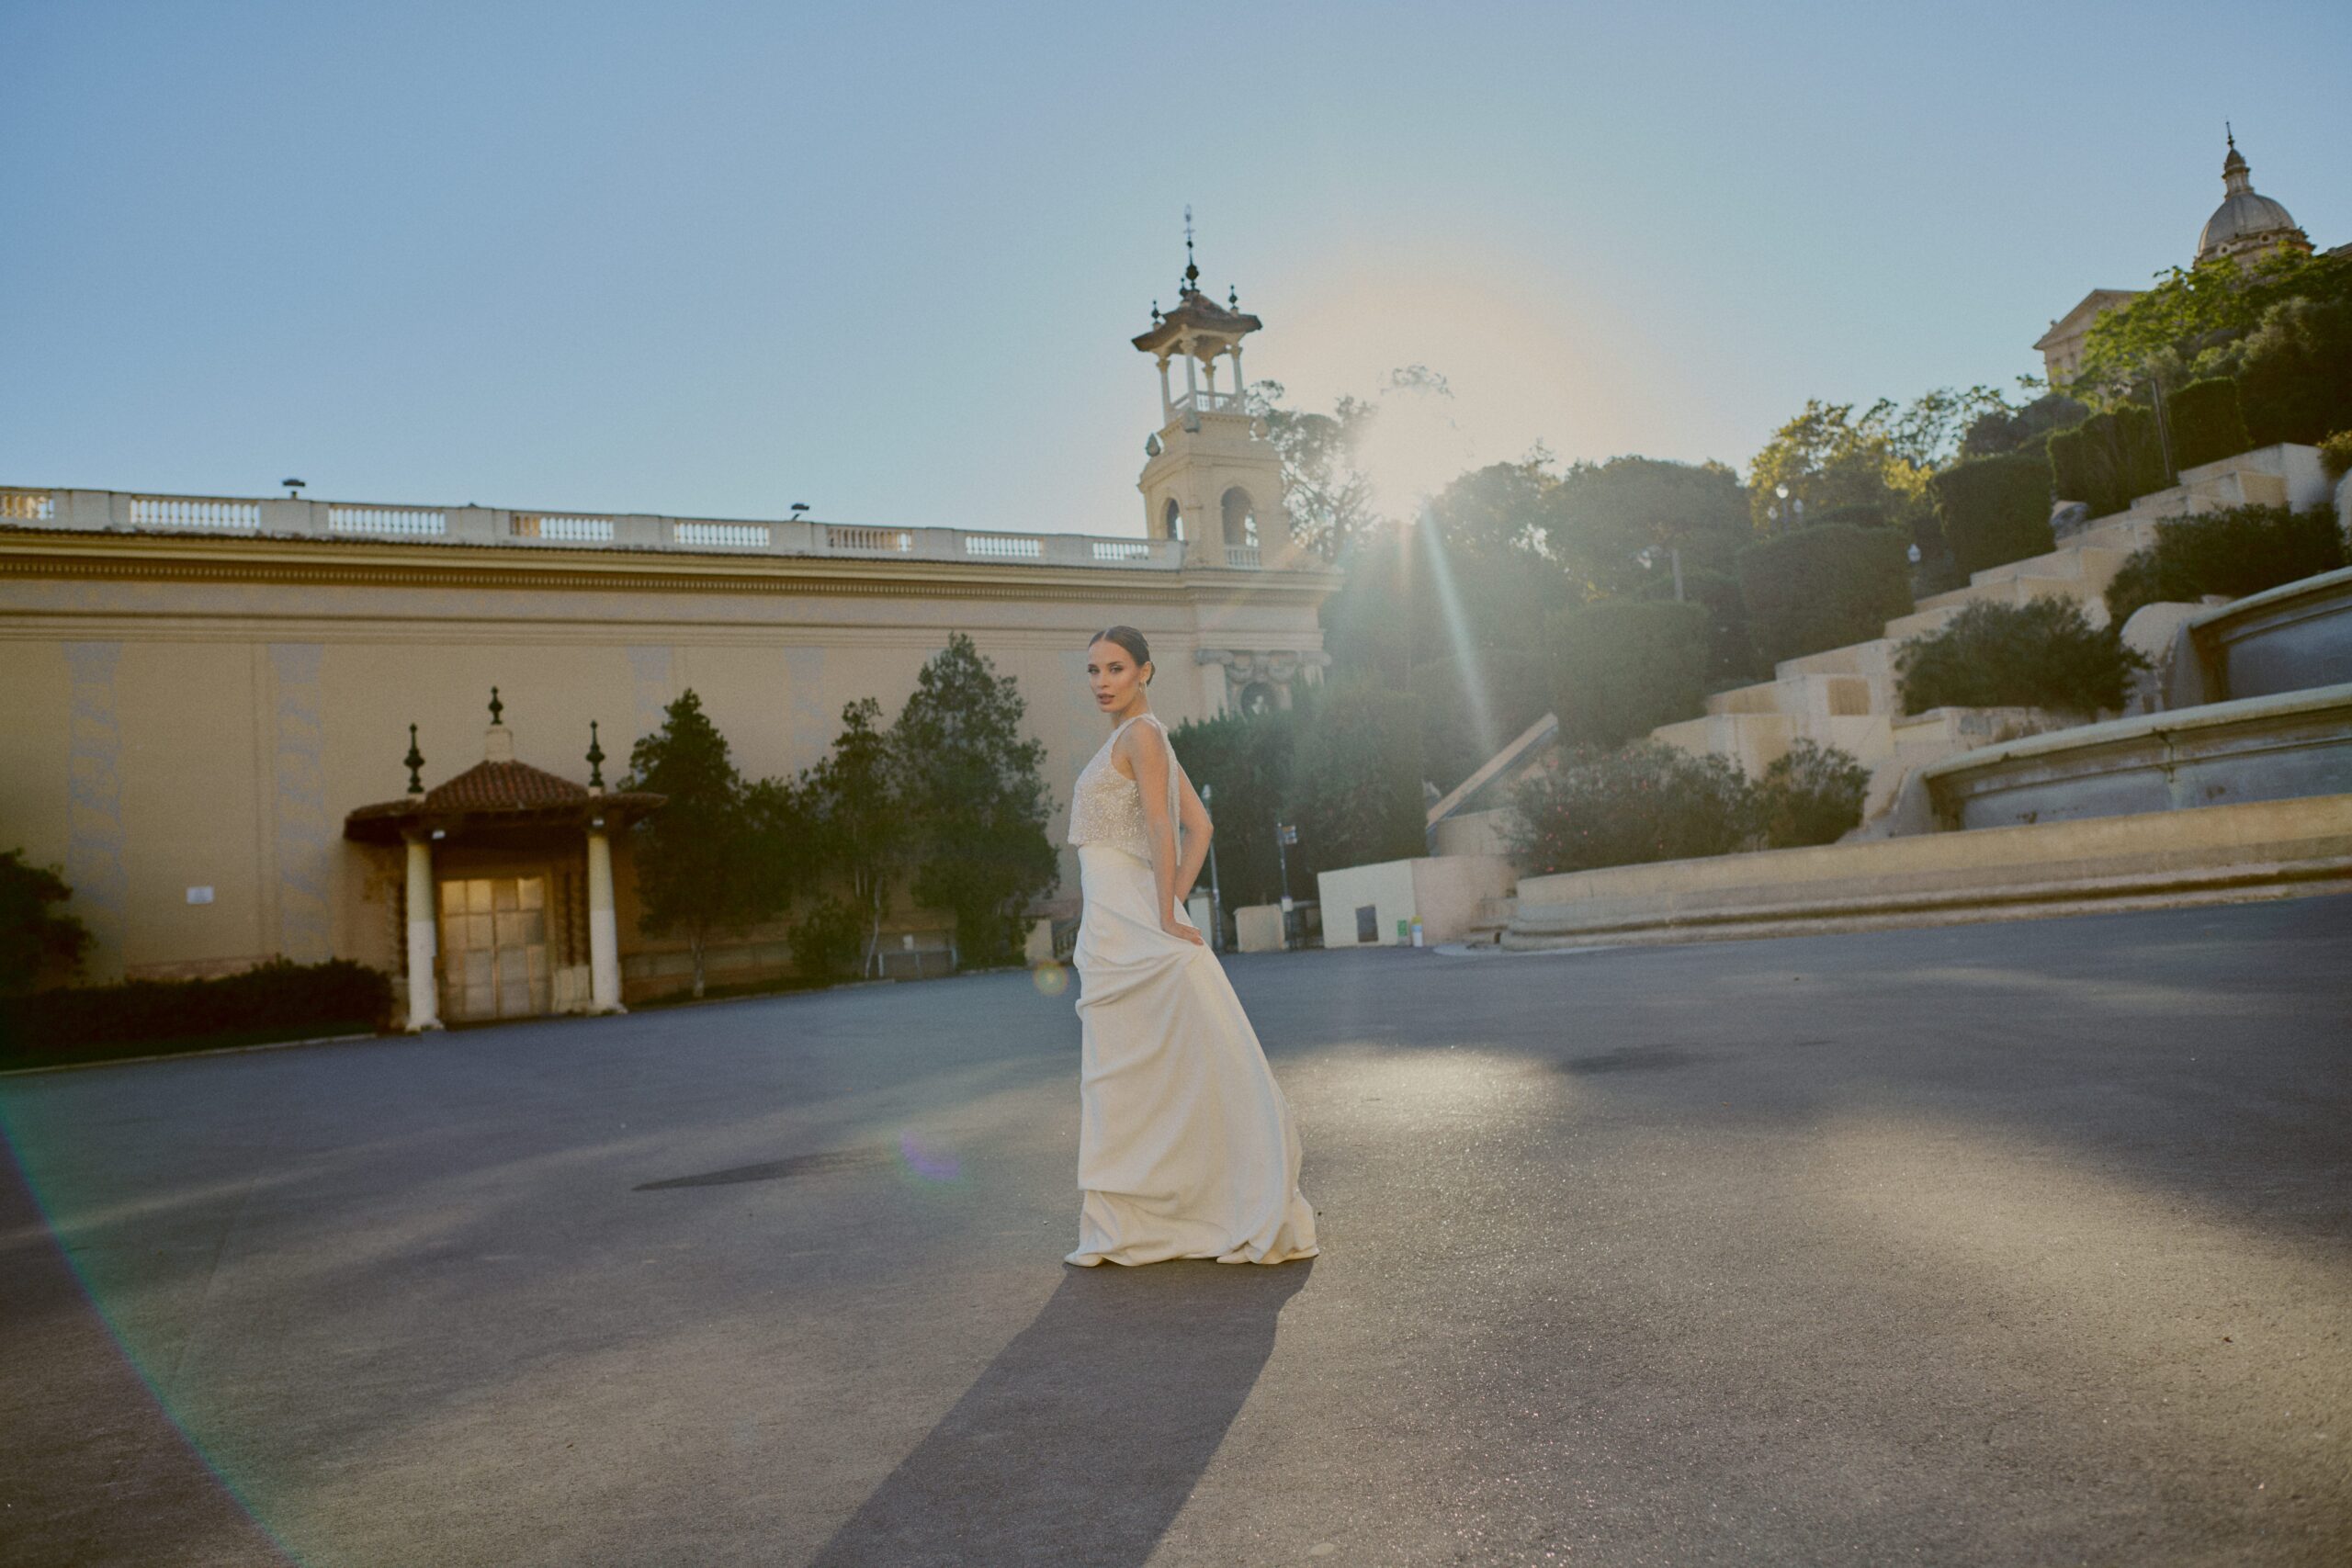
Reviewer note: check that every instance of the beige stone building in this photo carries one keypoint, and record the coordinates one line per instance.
(209, 698)
(2247, 225)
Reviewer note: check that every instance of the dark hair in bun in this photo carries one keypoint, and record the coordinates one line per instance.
(1130, 641)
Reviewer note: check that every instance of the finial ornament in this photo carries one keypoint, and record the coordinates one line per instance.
(413, 763)
(1155, 313)
(2231, 135)
(1192, 268)
(1233, 298)
(595, 758)
(496, 708)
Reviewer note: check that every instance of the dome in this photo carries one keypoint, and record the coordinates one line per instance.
(2246, 220)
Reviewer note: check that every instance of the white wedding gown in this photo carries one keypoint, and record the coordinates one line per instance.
(1186, 1146)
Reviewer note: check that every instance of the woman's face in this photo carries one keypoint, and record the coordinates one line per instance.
(1116, 678)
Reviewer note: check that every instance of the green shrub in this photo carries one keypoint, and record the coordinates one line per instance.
(1646, 802)
(1823, 587)
(1623, 667)
(280, 997)
(1467, 703)
(2070, 471)
(2108, 460)
(2295, 377)
(828, 940)
(2233, 553)
(35, 939)
(1994, 508)
(2207, 423)
(2044, 654)
(1811, 794)
(2335, 452)
(2021, 430)
(2122, 458)
(1731, 652)
(1355, 781)
(1858, 514)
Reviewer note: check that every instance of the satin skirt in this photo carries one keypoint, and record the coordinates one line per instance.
(1186, 1146)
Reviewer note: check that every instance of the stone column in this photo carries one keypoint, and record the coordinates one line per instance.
(423, 996)
(604, 928)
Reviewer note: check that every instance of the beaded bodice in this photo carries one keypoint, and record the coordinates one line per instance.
(1106, 807)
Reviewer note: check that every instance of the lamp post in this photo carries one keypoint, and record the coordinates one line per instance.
(1648, 558)
(1217, 896)
(1285, 836)
(1791, 510)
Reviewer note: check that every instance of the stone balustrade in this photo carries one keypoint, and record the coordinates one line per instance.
(114, 511)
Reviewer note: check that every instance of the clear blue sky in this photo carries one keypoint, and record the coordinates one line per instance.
(712, 260)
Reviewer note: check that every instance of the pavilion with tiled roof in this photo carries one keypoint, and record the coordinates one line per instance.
(497, 921)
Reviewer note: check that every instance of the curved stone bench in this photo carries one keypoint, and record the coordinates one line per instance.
(2280, 747)
(2290, 638)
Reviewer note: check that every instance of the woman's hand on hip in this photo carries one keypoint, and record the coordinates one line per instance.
(1191, 934)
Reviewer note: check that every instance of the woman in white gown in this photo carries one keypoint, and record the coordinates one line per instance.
(1186, 1146)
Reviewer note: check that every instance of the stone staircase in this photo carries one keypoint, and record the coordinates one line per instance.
(1849, 697)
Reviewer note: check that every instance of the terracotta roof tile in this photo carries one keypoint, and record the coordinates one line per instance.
(510, 786)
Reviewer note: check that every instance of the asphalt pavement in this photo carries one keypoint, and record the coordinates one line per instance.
(2024, 1243)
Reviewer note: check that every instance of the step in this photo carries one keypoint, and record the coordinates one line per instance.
(2241, 487)
(1925, 623)
(1762, 698)
(2064, 562)
(2083, 557)
(2125, 531)
(1853, 659)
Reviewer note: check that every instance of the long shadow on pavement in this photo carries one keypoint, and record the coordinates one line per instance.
(1084, 1437)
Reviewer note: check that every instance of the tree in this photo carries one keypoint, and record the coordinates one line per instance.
(34, 936)
(974, 801)
(1606, 515)
(2193, 315)
(2005, 429)
(1869, 468)
(713, 860)
(1623, 668)
(1356, 780)
(1829, 458)
(853, 805)
(1242, 764)
(1327, 496)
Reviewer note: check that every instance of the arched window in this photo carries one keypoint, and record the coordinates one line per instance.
(1241, 518)
(1172, 522)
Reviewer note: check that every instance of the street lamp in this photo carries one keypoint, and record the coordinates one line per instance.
(1648, 558)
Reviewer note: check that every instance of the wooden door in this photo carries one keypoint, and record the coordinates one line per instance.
(494, 947)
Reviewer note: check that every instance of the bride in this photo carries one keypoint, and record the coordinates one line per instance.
(1186, 1146)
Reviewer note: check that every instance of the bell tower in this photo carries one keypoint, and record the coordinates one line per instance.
(1210, 478)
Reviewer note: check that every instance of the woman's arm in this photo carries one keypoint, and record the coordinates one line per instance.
(1171, 879)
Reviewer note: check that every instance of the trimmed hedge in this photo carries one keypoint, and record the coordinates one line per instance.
(1811, 794)
(1647, 802)
(1823, 587)
(2108, 460)
(2240, 551)
(2295, 382)
(828, 940)
(1355, 779)
(2336, 453)
(2044, 654)
(281, 998)
(1623, 667)
(2207, 423)
(1993, 510)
